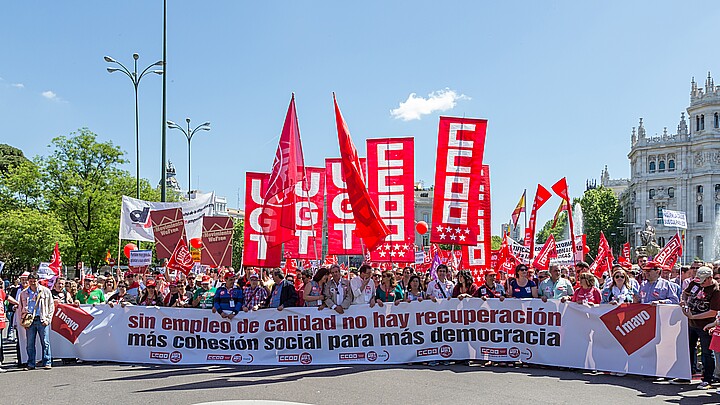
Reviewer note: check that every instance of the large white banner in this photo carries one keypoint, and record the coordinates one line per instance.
(633, 338)
(135, 216)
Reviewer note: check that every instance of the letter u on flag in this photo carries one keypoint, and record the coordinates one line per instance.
(288, 170)
(370, 226)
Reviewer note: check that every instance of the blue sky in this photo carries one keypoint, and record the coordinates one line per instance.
(562, 83)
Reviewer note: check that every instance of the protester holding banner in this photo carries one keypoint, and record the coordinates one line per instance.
(701, 303)
(521, 286)
(283, 292)
(255, 295)
(554, 286)
(59, 294)
(465, 287)
(363, 286)
(655, 290)
(337, 292)
(203, 297)
(228, 298)
(121, 296)
(151, 297)
(36, 305)
(587, 293)
(490, 288)
(178, 296)
(619, 290)
(110, 286)
(313, 289)
(90, 294)
(3, 322)
(404, 282)
(442, 287)
(388, 290)
(415, 291)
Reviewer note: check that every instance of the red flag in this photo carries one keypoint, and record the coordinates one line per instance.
(288, 170)
(603, 260)
(669, 254)
(626, 251)
(519, 209)
(256, 252)
(561, 189)
(330, 260)
(55, 261)
(290, 267)
(507, 260)
(181, 259)
(370, 227)
(563, 207)
(548, 251)
(541, 196)
(342, 238)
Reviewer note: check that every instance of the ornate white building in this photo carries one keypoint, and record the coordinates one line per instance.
(680, 172)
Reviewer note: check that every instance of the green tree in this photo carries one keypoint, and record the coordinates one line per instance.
(495, 242)
(10, 157)
(238, 243)
(602, 212)
(559, 232)
(20, 187)
(80, 178)
(27, 237)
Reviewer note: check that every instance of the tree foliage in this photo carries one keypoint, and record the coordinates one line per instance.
(27, 237)
(238, 243)
(602, 212)
(495, 242)
(10, 157)
(559, 232)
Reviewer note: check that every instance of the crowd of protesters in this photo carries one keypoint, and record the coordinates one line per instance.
(226, 293)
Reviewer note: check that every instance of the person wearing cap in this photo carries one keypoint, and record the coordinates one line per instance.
(133, 286)
(90, 294)
(178, 296)
(121, 296)
(151, 297)
(490, 288)
(203, 297)
(254, 295)
(283, 292)
(655, 290)
(228, 298)
(37, 300)
(701, 303)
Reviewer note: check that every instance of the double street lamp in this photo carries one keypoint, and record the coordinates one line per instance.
(189, 135)
(135, 78)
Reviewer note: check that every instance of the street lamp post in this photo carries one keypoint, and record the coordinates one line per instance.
(189, 135)
(135, 79)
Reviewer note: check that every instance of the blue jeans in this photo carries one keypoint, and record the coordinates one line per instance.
(708, 359)
(35, 329)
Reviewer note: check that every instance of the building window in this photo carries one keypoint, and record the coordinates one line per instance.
(426, 240)
(426, 217)
(659, 214)
(671, 192)
(661, 241)
(717, 211)
(700, 189)
(699, 247)
(702, 121)
(700, 213)
(671, 165)
(717, 188)
(652, 167)
(661, 166)
(697, 122)
(651, 193)
(716, 122)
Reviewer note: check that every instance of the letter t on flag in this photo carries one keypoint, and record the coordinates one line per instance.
(370, 227)
(288, 169)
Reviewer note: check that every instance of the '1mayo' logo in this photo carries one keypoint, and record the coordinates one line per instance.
(633, 325)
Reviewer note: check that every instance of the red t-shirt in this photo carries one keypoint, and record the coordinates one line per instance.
(3, 320)
(591, 294)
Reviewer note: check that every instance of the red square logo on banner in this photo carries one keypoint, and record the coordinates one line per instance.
(633, 325)
(69, 321)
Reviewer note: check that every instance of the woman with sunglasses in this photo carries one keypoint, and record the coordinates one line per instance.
(150, 297)
(521, 286)
(121, 296)
(618, 291)
(110, 286)
(388, 290)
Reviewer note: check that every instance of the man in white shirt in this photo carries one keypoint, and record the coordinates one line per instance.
(363, 287)
(441, 288)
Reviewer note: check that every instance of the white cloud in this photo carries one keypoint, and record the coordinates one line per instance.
(18, 85)
(415, 107)
(50, 95)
